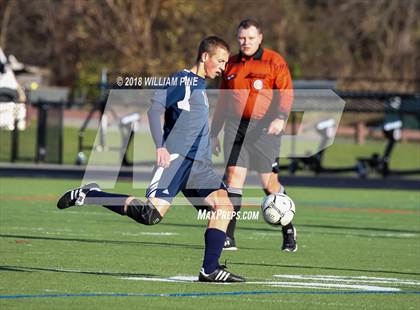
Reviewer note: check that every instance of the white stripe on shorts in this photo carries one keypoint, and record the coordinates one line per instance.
(156, 177)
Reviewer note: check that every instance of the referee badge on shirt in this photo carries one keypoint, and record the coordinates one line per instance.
(258, 84)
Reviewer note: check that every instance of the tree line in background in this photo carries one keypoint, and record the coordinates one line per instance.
(378, 39)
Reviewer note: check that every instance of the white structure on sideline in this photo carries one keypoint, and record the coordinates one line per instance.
(12, 109)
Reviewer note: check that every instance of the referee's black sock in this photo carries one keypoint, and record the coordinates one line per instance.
(113, 202)
(288, 228)
(282, 190)
(235, 195)
(276, 170)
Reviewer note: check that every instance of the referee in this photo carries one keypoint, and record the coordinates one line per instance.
(254, 112)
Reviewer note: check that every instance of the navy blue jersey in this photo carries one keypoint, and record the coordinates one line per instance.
(186, 110)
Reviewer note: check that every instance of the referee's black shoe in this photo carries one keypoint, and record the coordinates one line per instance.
(230, 244)
(289, 239)
(220, 275)
(76, 197)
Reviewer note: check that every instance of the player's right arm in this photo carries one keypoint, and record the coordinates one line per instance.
(162, 100)
(154, 115)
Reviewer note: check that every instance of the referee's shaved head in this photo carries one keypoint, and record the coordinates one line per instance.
(246, 23)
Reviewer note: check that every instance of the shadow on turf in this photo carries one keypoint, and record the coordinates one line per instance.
(324, 268)
(164, 244)
(32, 269)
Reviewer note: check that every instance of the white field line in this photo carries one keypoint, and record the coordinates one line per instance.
(339, 286)
(185, 278)
(401, 235)
(362, 279)
(171, 279)
(145, 233)
(376, 234)
(314, 285)
(300, 286)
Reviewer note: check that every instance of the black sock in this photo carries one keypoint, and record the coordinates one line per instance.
(113, 202)
(287, 227)
(213, 240)
(235, 195)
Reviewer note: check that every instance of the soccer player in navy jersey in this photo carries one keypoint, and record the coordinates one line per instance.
(183, 158)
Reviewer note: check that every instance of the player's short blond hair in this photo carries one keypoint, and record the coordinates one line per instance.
(210, 44)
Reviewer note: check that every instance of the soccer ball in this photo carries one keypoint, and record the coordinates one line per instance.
(278, 209)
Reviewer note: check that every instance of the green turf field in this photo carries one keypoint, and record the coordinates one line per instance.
(358, 249)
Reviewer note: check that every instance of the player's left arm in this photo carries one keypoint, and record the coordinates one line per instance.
(283, 83)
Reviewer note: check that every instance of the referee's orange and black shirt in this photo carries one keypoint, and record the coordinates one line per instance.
(252, 82)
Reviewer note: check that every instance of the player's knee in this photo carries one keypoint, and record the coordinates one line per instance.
(220, 202)
(225, 206)
(143, 212)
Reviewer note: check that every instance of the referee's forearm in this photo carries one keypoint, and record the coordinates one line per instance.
(285, 103)
(217, 121)
(216, 126)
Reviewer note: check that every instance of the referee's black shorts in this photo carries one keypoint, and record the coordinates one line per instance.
(247, 144)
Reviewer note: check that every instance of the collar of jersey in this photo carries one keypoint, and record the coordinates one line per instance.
(257, 55)
(186, 70)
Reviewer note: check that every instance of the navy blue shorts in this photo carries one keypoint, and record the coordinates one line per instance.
(195, 179)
